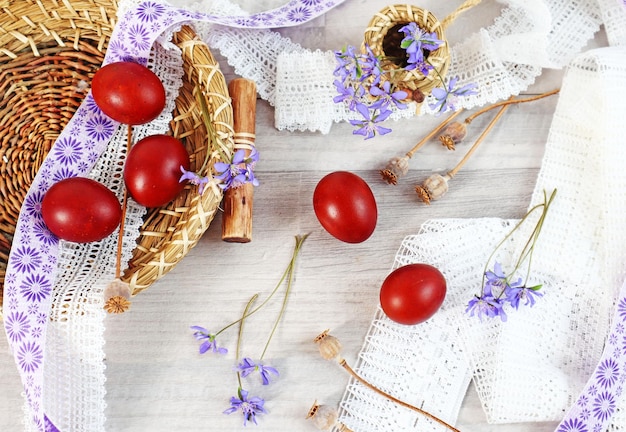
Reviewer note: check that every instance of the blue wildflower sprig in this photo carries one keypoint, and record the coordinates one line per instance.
(239, 169)
(251, 406)
(372, 92)
(447, 98)
(500, 289)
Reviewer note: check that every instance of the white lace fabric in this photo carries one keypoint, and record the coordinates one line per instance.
(533, 366)
(75, 372)
(503, 60)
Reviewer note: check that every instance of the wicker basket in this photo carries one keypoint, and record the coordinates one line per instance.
(383, 36)
(48, 47)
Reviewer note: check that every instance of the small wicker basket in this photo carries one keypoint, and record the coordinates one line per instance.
(49, 48)
(383, 37)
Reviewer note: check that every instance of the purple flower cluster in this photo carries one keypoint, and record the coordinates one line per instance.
(239, 171)
(356, 72)
(230, 175)
(249, 407)
(367, 89)
(498, 290)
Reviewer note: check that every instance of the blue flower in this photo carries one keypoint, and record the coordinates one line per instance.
(67, 151)
(347, 64)
(447, 97)
(208, 339)
(369, 65)
(486, 305)
(416, 40)
(515, 294)
(194, 179)
(386, 97)
(150, 11)
(139, 37)
(100, 128)
(348, 95)
(248, 366)
(498, 280)
(26, 259)
(368, 126)
(249, 407)
(239, 171)
(36, 288)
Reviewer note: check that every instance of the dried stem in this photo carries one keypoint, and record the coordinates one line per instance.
(423, 141)
(356, 376)
(120, 235)
(482, 136)
(510, 101)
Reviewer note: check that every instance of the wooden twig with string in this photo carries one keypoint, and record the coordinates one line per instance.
(238, 202)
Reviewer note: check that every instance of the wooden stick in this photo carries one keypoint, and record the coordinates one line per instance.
(238, 202)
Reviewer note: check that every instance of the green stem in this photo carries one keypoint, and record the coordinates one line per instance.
(536, 232)
(240, 334)
(214, 139)
(529, 247)
(283, 307)
(299, 241)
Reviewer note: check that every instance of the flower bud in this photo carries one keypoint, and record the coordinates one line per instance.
(396, 168)
(433, 188)
(324, 417)
(328, 345)
(453, 134)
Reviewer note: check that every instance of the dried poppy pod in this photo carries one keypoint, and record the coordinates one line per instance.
(329, 345)
(396, 168)
(433, 188)
(324, 417)
(453, 134)
(117, 296)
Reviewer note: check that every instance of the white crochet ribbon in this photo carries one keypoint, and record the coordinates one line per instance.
(503, 60)
(563, 359)
(31, 276)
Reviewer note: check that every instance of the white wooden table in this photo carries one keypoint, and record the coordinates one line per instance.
(157, 381)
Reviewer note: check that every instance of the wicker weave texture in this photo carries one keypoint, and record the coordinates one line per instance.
(169, 233)
(380, 33)
(49, 52)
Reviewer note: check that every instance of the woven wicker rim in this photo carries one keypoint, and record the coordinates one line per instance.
(170, 232)
(51, 50)
(393, 15)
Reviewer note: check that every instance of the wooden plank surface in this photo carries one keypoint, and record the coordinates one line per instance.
(157, 381)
